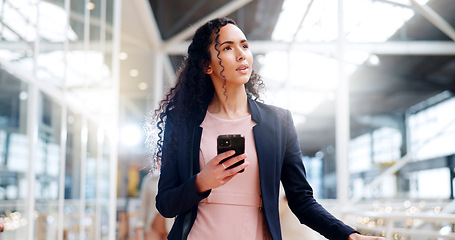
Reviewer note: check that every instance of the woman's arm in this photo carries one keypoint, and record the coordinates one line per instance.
(300, 195)
(176, 195)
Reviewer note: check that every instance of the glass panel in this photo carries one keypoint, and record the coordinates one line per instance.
(104, 221)
(96, 41)
(95, 22)
(83, 69)
(386, 145)
(13, 155)
(313, 166)
(369, 24)
(104, 170)
(86, 68)
(90, 181)
(363, 20)
(423, 184)
(73, 176)
(103, 186)
(108, 37)
(99, 72)
(53, 33)
(366, 152)
(431, 129)
(18, 32)
(47, 167)
(317, 27)
(76, 57)
(360, 153)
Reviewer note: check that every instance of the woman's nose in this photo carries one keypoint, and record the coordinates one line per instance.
(241, 55)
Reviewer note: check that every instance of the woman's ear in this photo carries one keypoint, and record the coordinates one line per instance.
(207, 69)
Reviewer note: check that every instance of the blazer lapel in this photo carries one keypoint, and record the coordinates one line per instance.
(265, 141)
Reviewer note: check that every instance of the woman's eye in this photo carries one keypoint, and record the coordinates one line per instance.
(245, 46)
(227, 48)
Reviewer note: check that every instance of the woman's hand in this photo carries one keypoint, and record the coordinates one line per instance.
(356, 236)
(215, 174)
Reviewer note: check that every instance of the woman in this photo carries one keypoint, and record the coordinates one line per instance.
(215, 93)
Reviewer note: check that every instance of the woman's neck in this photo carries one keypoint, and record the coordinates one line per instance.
(228, 105)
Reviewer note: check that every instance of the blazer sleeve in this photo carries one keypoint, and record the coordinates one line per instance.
(176, 192)
(300, 194)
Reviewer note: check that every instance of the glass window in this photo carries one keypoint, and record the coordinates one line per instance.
(386, 145)
(104, 187)
(14, 154)
(360, 153)
(2, 147)
(96, 43)
(91, 168)
(367, 25)
(73, 175)
(381, 146)
(47, 167)
(75, 55)
(53, 22)
(18, 32)
(313, 166)
(96, 23)
(431, 130)
(109, 38)
(77, 59)
(423, 184)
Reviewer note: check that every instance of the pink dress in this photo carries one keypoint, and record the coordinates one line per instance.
(231, 211)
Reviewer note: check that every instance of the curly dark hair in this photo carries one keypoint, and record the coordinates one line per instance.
(194, 89)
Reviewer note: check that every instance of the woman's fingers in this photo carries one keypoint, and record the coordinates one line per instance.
(220, 157)
(233, 160)
(216, 174)
(234, 171)
(225, 160)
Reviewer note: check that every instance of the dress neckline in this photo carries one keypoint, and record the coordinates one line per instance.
(228, 120)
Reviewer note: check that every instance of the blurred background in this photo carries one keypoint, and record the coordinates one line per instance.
(370, 84)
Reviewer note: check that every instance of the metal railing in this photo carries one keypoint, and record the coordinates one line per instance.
(403, 225)
(429, 219)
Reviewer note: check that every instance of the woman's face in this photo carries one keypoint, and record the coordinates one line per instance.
(235, 55)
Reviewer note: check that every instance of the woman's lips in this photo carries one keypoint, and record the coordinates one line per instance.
(242, 69)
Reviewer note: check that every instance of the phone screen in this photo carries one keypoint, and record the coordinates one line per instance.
(231, 142)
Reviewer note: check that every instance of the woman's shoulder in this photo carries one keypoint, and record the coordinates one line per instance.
(270, 108)
(176, 117)
(270, 115)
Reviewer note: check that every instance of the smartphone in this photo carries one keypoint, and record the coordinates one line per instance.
(231, 142)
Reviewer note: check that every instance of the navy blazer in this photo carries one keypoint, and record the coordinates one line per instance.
(279, 158)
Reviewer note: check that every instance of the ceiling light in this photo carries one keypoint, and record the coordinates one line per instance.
(373, 60)
(123, 55)
(90, 6)
(143, 86)
(23, 95)
(134, 72)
